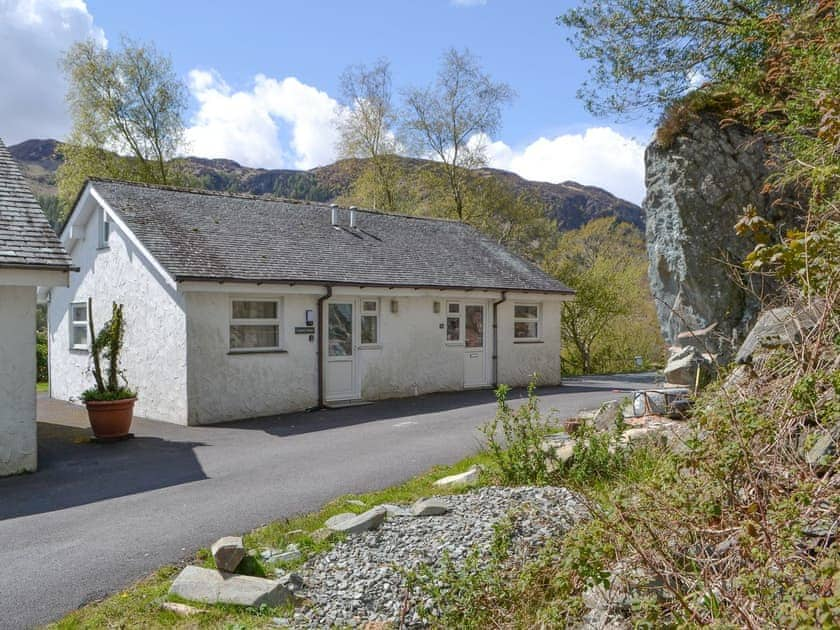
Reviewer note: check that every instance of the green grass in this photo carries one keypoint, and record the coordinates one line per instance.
(139, 606)
(42, 388)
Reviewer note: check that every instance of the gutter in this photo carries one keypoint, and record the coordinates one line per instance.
(320, 350)
(496, 339)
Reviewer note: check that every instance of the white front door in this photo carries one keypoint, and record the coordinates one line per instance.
(475, 360)
(341, 346)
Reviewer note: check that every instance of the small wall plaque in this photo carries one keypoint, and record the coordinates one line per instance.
(304, 330)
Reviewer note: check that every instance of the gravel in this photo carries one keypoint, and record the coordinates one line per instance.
(361, 579)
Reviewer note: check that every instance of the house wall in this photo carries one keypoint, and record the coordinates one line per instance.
(224, 386)
(18, 430)
(411, 358)
(518, 360)
(154, 357)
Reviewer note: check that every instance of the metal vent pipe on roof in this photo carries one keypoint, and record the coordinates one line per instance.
(352, 217)
(334, 214)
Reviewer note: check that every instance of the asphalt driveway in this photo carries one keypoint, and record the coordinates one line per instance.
(95, 517)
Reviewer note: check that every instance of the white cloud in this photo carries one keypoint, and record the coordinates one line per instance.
(245, 125)
(600, 156)
(468, 3)
(33, 36)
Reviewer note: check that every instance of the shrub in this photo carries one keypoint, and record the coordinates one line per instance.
(41, 356)
(514, 439)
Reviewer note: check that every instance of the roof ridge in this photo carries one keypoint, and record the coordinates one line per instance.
(270, 198)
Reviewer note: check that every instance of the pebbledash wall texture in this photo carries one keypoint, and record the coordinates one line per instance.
(176, 260)
(30, 257)
(154, 351)
(18, 444)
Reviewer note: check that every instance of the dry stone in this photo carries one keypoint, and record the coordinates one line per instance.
(228, 552)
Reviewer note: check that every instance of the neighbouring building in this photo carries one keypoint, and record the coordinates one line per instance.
(239, 306)
(31, 256)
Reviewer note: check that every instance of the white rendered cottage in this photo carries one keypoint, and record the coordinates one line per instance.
(30, 256)
(238, 306)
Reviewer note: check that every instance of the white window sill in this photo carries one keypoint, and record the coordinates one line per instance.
(454, 344)
(79, 349)
(258, 351)
(370, 346)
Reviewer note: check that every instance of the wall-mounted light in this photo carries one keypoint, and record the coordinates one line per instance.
(395, 306)
(310, 317)
(436, 306)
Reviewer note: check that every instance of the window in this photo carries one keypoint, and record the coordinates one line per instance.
(370, 322)
(526, 321)
(79, 326)
(453, 322)
(255, 325)
(104, 229)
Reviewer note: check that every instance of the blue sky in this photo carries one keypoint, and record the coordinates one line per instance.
(263, 75)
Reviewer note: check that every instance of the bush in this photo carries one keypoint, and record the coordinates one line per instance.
(41, 356)
(514, 439)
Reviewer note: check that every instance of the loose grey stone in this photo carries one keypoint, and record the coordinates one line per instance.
(395, 510)
(429, 507)
(217, 587)
(608, 415)
(228, 552)
(355, 502)
(371, 519)
(338, 518)
(465, 478)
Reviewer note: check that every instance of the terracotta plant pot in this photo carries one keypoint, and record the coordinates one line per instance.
(110, 419)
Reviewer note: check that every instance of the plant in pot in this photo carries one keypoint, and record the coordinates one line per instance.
(110, 405)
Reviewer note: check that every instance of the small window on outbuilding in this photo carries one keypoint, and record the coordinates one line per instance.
(79, 326)
(526, 322)
(255, 325)
(104, 230)
(370, 322)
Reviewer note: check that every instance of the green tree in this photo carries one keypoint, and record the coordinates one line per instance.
(612, 318)
(451, 120)
(367, 124)
(647, 53)
(127, 108)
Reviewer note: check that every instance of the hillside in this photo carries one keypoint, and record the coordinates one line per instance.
(570, 204)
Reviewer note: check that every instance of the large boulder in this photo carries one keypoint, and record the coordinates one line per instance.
(208, 586)
(683, 366)
(697, 189)
(776, 327)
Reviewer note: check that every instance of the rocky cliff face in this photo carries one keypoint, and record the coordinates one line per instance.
(697, 189)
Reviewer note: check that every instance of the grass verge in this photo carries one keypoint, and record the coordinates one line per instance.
(139, 606)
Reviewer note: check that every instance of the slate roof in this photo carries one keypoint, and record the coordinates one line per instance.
(26, 238)
(202, 235)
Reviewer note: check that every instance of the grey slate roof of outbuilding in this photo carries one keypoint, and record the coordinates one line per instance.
(26, 238)
(202, 235)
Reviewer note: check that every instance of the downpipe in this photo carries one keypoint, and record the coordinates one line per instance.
(496, 339)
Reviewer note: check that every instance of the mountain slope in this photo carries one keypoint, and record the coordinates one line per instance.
(570, 204)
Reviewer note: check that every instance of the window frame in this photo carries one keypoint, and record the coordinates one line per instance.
(450, 315)
(529, 320)
(78, 323)
(256, 321)
(375, 314)
(103, 229)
